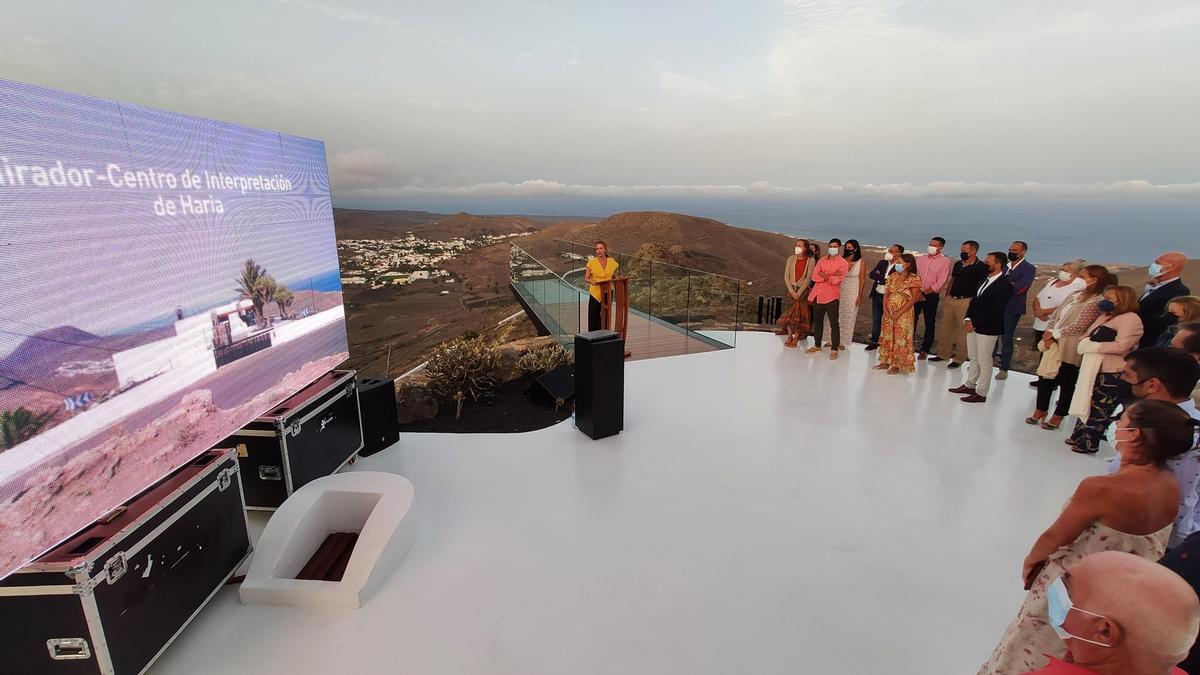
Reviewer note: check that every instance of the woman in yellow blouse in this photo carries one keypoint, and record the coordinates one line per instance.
(599, 269)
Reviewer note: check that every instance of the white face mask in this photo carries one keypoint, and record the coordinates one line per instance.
(888, 256)
(833, 250)
(1059, 605)
(933, 250)
(1064, 275)
(799, 250)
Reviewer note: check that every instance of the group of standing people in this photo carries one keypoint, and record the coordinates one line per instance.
(825, 294)
(984, 301)
(1124, 362)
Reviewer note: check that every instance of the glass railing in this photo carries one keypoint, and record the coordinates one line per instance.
(555, 302)
(696, 307)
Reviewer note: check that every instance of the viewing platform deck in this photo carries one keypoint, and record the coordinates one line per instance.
(764, 511)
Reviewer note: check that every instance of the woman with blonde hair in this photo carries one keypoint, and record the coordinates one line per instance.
(797, 275)
(600, 269)
(1056, 291)
(1113, 335)
(1186, 309)
(1066, 327)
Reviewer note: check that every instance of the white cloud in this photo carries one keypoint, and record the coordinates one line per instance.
(954, 189)
(348, 14)
(364, 169)
(678, 83)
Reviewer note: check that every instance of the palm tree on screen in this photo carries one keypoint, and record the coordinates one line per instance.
(256, 286)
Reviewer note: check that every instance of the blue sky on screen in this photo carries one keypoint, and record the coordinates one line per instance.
(105, 260)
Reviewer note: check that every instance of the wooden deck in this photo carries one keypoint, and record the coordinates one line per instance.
(646, 339)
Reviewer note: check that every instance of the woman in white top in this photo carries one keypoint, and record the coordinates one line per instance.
(1054, 294)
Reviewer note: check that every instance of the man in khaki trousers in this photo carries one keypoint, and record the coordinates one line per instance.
(965, 278)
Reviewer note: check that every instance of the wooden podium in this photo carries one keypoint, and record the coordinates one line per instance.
(614, 307)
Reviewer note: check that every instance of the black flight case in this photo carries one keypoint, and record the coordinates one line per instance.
(311, 434)
(113, 597)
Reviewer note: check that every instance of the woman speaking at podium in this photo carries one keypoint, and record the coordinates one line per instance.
(600, 269)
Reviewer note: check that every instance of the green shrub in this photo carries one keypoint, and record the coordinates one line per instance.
(545, 359)
(463, 367)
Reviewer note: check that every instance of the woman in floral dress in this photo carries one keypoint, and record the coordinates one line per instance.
(1132, 510)
(896, 338)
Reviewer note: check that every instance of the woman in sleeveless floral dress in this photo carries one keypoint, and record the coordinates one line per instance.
(896, 338)
(1132, 511)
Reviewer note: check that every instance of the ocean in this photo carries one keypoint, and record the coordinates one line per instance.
(1101, 230)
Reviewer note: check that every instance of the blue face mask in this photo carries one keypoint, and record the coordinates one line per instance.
(1107, 305)
(1156, 269)
(1058, 606)
(899, 267)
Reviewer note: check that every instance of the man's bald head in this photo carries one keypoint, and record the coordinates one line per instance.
(1157, 612)
(1173, 263)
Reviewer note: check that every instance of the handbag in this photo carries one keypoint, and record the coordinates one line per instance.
(1050, 362)
(1104, 334)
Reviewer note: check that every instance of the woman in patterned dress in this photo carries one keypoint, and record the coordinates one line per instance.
(1132, 510)
(896, 338)
(797, 275)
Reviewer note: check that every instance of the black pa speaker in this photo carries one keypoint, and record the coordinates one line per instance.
(600, 362)
(554, 388)
(377, 401)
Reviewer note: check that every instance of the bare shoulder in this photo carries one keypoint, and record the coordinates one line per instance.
(1096, 487)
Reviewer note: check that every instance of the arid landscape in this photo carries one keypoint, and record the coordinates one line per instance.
(407, 320)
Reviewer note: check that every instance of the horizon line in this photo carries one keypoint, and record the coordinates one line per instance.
(542, 188)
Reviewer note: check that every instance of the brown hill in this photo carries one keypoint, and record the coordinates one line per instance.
(690, 241)
(361, 224)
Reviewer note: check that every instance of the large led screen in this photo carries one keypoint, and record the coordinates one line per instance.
(164, 280)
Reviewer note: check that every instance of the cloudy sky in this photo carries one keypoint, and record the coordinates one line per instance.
(533, 97)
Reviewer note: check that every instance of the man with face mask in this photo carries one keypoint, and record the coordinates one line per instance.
(984, 324)
(1169, 374)
(827, 281)
(1120, 614)
(965, 278)
(934, 270)
(1020, 273)
(1165, 285)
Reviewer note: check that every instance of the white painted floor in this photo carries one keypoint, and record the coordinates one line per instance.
(765, 511)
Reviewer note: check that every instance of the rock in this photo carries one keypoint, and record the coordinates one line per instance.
(415, 399)
(511, 352)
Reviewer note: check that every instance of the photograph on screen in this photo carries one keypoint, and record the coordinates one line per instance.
(164, 280)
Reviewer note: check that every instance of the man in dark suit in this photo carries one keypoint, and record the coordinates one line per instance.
(985, 325)
(879, 275)
(1020, 273)
(1165, 285)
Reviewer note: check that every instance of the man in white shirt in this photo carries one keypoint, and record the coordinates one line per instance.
(1170, 374)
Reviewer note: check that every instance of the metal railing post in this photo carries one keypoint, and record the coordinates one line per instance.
(650, 294)
(737, 311)
(687, 322)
